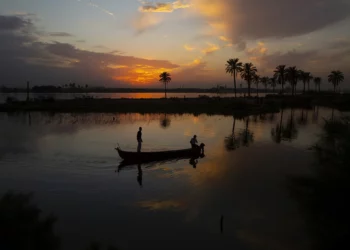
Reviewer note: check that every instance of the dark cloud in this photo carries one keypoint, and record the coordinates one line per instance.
(340, 44)
(256, 19)
(13, 23)
(25, 57)
(317, 62)
(60, 34)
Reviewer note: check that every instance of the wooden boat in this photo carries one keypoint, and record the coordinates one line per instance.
(140, 157)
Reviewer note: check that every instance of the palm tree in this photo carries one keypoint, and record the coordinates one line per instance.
(336, 77)
(273, 83)
(165, 78)
(292, 77)
(247, 73)
(302, 77)
(265, 80)
(317, 81)
(309, 77)
(233, 66)
(280, 73)
(256, 80)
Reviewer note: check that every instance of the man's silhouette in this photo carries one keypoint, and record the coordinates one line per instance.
(139, 139)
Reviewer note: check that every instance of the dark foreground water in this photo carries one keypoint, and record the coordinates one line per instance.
(68, 161)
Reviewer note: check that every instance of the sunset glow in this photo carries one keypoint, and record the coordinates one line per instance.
(129, 42)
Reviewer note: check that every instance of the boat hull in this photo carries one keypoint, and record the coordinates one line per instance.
(139, 157)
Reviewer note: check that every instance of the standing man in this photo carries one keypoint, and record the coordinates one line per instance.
(194, 142)
(139, 139)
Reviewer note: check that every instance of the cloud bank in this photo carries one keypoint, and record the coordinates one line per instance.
(25, 57)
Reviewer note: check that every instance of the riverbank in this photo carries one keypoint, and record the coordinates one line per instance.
(220, 106)
(207, 105)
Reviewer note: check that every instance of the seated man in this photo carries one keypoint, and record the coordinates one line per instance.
(194, 142)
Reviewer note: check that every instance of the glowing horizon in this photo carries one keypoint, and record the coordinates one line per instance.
(129, 43)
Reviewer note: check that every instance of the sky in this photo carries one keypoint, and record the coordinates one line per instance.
(128, 43)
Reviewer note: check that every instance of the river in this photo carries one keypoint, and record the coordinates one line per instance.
(234, 198)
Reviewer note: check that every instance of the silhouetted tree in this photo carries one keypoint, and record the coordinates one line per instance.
(265, 80)
(280, 74)
(165, 78)
(233, 66)
(247, 73)
(336, 77)
(273, 83)
(317, 81)
(292, 77)
(256, 80)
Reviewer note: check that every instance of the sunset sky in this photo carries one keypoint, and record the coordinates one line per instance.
(128, 43)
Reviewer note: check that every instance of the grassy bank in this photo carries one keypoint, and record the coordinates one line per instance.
(215, 105)
(224, 106)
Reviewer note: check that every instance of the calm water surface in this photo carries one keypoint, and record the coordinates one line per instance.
(68, 161)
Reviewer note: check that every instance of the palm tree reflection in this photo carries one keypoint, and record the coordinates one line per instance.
(165, 121)
(285, 132)
(246, 136)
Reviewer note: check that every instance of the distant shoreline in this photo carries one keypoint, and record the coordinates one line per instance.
(203, 105)
(55, 90)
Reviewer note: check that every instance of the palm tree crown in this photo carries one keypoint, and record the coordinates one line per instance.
(335, 78)
(165, 78)
(280, 73)
(292, 77)
(273, 83)
(233, 66)
(247, 73)
(317, 81)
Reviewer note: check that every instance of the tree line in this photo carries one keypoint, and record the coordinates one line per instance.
(281, 75)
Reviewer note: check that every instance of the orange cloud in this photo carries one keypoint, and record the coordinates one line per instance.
(224, 38)
(163, 7)
(140, 74)
(260, 49)
(211, 49)
(189, 48)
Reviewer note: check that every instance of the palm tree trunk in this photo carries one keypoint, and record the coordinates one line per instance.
(234, 81)
(319, 87)
(273, 88)
(257, 90)
(248, 89)
(165, 90)
(334, 87)
(304, 88)
(308, 86)
(234, 125)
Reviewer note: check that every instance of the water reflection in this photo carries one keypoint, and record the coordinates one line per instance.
(69, 161)
(243, 138)
(287, 131)
(165, 121)
(322, 194)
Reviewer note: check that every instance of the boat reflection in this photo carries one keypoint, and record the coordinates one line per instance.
(128, 165)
